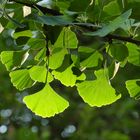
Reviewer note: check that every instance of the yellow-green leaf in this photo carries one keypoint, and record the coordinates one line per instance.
(46, 103)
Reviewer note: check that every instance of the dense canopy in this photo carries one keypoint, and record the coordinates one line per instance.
(59, 51)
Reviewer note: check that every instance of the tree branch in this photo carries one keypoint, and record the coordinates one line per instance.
(122, 38)
(43, 9)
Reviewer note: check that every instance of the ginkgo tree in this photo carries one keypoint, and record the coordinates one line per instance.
(80, 45)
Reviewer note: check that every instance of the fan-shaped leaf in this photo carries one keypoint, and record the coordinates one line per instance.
(21, 79)
(134, 54)
(92, 61)
(36, 43)
(133, 88)
(13, 59)
(41, 54)
(39, 73)
(66, 39)
(57, 57)
(67, 77)
(98, 92)
(46, 103)
(118, 51)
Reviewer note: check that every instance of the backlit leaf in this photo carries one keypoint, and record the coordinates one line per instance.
(67, 77)
(134, 54)
(92, 61)
(13, 59)
(35, 43)
(46, 103)
(133, 88)
(57, 57)
(66, 39)
(26, 33)
(98, 92)
(39, 73)
(21, 79)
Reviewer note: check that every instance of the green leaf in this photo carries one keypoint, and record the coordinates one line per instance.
(27, 33)
(112, 26)
(13, 59)
(52, 20)
(118, 51)
(92, 61)
(66, 77)
(46, 103)
(35, 43)
(98, 92)
(57, 57)
(39, 73)
(66, 39)
(70, 39)
(41, 54)
(21, 79)
(133, 88)
(112, 8)
(134, 54)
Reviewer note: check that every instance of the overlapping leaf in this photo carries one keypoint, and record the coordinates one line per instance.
(40, 74)
(41, 54)
(13, 59)
(57, 57)
(21, 79)
(27, 33)
(67, 39)
(134, 54)
(67, 77)
(133, 88)
(92, 61)
(98, 92)
(35, 43)
(46, 103)
(112, 26)
(118, 51)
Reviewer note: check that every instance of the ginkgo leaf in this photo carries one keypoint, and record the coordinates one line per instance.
(27, 33)
(134, 54)
(112, 26)
(66, 77)
(13, 59)
(118, 51)
(112, 8)
(98, 92)
(46, 103)
(133, 88)
(57, 57)
(81, 77)
(92, 61)
(41, 54)
(39, 73)
(70, 39)
(21, 79)
(36, 43)
(66, 39)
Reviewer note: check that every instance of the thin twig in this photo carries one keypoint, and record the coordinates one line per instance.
(122, 38)
(43, 9)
